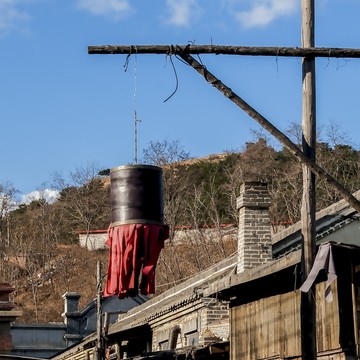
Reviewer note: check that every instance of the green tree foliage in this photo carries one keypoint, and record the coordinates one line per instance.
(105, 172)
(208, 201)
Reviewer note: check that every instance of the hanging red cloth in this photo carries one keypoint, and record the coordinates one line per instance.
(134, 250)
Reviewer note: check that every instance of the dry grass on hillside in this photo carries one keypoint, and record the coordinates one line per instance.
(73, 269)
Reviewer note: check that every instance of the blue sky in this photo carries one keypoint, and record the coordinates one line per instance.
(62, 109)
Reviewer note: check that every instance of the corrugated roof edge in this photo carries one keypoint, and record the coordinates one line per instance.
(341, 206)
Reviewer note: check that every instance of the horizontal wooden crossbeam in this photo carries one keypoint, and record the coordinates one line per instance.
(226, 50)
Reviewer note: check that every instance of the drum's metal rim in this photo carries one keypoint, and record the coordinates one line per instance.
(135, 166)
(136, 221)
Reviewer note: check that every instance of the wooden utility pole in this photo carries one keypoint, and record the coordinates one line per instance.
(308, 207)
(99, 342)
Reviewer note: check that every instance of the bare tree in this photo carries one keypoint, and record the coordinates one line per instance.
(169, 156)
(84, 201)
(33, 247)
(7, 204)
(335, 136)
(163, 153)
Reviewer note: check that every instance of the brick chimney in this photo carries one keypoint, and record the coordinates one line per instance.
(254, 239)
(7, 316)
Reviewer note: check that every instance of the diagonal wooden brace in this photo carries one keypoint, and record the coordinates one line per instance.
(267, 125)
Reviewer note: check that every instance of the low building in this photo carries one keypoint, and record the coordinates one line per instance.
(93, 239)
(7, 316)
(46, 340)
(250, 302)
(265, 316)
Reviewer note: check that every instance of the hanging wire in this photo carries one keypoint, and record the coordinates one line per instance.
(176, 78)
(126, 64)
(170, 54)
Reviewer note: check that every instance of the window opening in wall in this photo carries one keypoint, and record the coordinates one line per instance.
(164, 345)
(192, 339)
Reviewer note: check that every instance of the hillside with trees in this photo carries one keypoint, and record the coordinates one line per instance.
(39, 251)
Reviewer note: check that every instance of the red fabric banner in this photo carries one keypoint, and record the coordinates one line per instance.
(134, 250)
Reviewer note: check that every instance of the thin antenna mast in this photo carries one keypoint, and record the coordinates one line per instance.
(135, 138)
(135, 114)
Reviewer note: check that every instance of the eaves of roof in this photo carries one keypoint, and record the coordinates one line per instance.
(328, 219)
(275, 266)
(253, 274)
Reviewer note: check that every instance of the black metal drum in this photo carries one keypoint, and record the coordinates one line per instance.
(136, 195)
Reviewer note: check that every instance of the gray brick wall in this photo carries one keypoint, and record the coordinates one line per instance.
(214, 321)
(205, 322)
